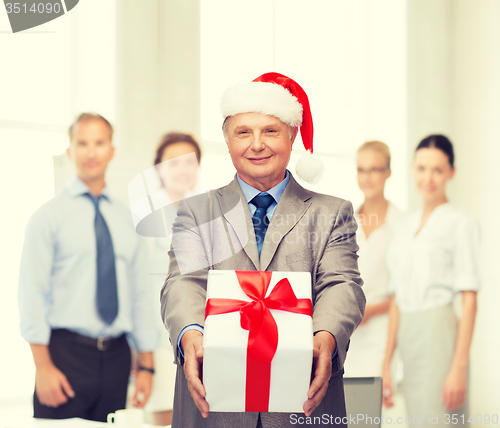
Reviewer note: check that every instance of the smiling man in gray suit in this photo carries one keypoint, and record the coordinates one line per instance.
(264, 220)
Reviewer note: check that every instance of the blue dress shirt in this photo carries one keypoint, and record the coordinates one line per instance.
(57, 281)
(249, 192)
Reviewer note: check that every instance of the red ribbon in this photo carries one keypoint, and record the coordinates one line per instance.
(256, 317)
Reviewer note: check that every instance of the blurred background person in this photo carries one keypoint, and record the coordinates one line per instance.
(432, 257)
(375, 219)
(82, 290)
(177, 163)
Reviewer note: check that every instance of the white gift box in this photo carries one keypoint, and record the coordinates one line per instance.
(225, 348)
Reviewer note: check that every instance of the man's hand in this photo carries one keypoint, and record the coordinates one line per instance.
(324, 347)
(52, 387)
(192, 346)
(143, 379)
(143, 384)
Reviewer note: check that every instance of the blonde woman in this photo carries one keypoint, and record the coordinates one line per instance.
(375, 219)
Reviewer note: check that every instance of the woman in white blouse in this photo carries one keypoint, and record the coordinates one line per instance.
(375, 218)
(433, 256)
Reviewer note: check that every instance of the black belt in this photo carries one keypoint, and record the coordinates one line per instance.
(102, 343)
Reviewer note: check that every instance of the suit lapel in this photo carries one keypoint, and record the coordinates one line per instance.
(291, 207)
(234, 204)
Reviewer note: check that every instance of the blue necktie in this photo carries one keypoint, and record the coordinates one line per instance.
(259, 219)
(106, 294)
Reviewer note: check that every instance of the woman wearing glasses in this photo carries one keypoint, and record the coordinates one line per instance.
(375, 218)
(433, 257)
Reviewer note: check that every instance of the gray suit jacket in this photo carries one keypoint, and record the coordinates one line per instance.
(309, 232)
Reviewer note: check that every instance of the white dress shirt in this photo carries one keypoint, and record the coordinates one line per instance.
(427, 269)
(57, 281)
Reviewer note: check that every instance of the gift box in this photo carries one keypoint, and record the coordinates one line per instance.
(258, 341)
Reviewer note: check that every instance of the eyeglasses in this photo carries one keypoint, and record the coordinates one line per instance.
(372, 171)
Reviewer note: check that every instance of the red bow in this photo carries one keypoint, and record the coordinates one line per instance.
(256, 317)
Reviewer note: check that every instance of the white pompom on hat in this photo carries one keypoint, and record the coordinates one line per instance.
(276, 95)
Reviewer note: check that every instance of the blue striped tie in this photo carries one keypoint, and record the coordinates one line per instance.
(106, 294)
(259, 219)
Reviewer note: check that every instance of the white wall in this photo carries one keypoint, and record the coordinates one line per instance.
(158, 59)
(475, 123)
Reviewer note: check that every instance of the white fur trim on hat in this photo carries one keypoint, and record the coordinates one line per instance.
(309, 168)
(262, 97)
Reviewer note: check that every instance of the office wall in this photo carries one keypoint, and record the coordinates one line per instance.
(475, 124)
(158, 70)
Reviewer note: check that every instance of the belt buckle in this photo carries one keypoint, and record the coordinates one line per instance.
(101, 343)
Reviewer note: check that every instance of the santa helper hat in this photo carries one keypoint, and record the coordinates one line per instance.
(276, 95)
